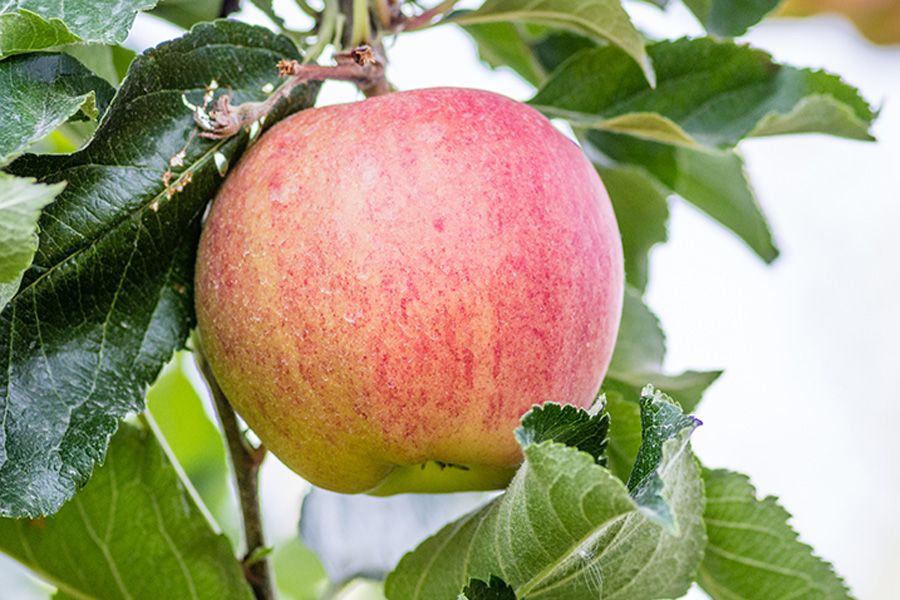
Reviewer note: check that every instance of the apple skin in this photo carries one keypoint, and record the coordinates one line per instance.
(878, 20)
(383, 288)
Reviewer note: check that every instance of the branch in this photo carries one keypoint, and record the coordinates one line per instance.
(246, 461)
(426, 18)
(362, 66)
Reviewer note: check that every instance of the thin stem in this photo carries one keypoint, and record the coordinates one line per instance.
(305, 7)
(425, 19)
(383, 12)
(361, 31)
(338, 42)
(246, 461)
(325, 32)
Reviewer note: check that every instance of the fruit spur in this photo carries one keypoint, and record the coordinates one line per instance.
(384, 287)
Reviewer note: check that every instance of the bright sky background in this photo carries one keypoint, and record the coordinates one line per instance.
(809, 405)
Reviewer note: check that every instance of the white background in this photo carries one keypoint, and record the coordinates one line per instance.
(809, 405)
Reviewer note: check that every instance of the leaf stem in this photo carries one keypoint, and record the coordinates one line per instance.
(325, 32)
(246, 461)
(425, 19)
(361, 30)
(305, 7)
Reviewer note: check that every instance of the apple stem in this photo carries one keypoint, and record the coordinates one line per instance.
(246, 460)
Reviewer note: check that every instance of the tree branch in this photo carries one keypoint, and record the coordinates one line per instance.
(363, 66)
(246, 461)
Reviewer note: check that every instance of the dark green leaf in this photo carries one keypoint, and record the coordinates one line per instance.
(597, 19)
(505, 45)
(133, 532)
(712, 92)
(554, 48)
(567, 529)
(569, 425)
(187, 13)
(38, 92)
(730, 18)
(27, 25)
(497, 589)
(642, 212)
(753, 554)
(108, 298)
(713, 181)
(661, 421)
(21, 201)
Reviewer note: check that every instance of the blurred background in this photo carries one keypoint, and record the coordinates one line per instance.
(810, 399)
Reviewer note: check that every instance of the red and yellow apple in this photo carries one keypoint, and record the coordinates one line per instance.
(878, 20)
(383, 288)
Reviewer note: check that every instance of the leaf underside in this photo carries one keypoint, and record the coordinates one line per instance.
(567, 529)
(30, 25)
(753, 553)
(39, 92)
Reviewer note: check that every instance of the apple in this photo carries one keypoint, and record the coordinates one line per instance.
(383, 288)
(878, 20)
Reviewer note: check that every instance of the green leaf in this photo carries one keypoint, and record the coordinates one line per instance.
(496, 589)
(21, 201)
(569, 425)
(710, 92)
(109, 296)
(730, 18)
(661, 420)
(38, 92)
(638, 359)
(25, 31)
(642, 212)
(195, 442)
(597, 19)
(504, 45)
(753, 554)
(27, 25)
(109, 62)
(133, 532)
(555, 47)
(641, 343)
(624, 431)
(299, 574)
(644, 125)
(714, 181)
(567, 529)
(687, 388)
(267, 7)
(187, 13)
